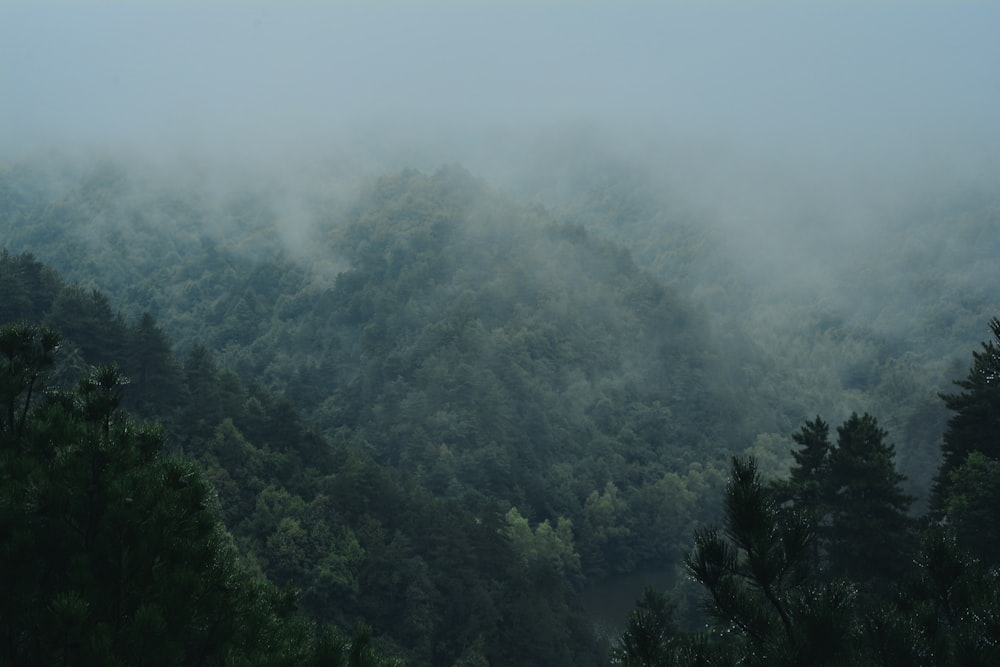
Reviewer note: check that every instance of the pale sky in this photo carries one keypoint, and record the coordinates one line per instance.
(837, 77)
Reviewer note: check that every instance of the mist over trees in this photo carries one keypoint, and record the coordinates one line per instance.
(453, 392)
(431, 333)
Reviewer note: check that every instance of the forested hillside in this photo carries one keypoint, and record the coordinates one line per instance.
(837, 319)
(112, 551)
(486, 348)
(445, 413)
(820, 302)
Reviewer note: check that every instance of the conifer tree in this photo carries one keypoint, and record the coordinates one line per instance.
(811, 462)
(752, 570)
(805, 487)
(769, 605)
(975, 426)
(650, 635)
(869, 533)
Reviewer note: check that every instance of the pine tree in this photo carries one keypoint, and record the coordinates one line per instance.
(811, 464)
(975, 426)
(869, 533)
(26, 356)
(946, 613)
(650, 633)
(805, 488)
(764, 588)
(752, 567)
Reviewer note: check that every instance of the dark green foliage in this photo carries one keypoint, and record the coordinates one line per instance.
(754, 572)
(444, 412)
(808, 479)
(110, 553)
(28, 287)
(770, 577)
(856, 601)
(359, 542)
(28, 353)
(967, 489)
(946, 613)
(95, 335)
(852, 495)
(156, 382)
(973, 507)
(869, 532)
(650, 633)
(974, 426)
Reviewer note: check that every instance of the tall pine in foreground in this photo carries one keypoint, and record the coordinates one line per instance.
(853, 497)
(869, 536)
(770, 605)
(806, 487)
(764, 596)
(651, 635)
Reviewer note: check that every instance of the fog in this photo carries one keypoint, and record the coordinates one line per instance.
(823, 83)
(783, 125)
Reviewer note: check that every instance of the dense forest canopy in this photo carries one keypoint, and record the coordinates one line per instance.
(219, 266)
(448, 375)
(429, 333)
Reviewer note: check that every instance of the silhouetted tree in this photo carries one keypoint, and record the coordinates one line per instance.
(869, 537)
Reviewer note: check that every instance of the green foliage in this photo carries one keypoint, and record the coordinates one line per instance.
(368, 409)
(492, 350)
(650, 633)
(30, 287)
(546, 550)
(973, 506)
(851, 493)
(852, 600)
(947, 613)
(973, 427)
(27, 355)
(772, 605)
(869, 533)
(810, 472)
(111, 554)
(753, 572)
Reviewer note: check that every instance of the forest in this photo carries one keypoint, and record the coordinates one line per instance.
(417, 418)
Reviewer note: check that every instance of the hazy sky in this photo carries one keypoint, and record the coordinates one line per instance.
(894, 77)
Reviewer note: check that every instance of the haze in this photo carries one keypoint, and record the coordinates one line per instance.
(812, 123)
(849, 81)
